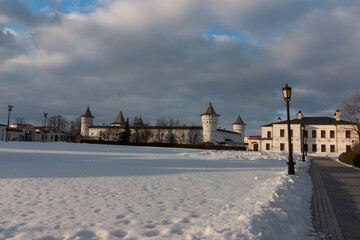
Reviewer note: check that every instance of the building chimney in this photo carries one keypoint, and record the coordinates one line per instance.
(300, 115)
(337, 115)
(279, 119)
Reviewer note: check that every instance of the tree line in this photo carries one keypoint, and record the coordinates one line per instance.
(165, 130)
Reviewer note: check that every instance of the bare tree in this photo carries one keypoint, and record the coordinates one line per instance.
(74, 130)
(20, 120)
(111, 134)
(145, 133)
(136, 134)
(351, 111)
(193, 136)
(125, 135)
(57, 122)
(75, 126)
(173, 132)
(162, 124)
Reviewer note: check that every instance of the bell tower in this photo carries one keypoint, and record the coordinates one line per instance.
(86, 122)
(209, 123)
(239, 127)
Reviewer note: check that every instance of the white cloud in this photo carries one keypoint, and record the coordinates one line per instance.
(40, 60)
(151, 57)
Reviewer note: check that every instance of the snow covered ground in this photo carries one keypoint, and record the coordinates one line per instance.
(69, 191)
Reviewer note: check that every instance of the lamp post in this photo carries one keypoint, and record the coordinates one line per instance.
(45, 115)
(303, 142)
(7, 129)
(287, 96)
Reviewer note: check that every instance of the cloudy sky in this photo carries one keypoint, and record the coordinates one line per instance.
(162, 58)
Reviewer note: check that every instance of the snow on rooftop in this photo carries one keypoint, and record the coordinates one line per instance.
(79, 191)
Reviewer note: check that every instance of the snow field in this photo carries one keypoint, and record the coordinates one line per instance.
(78, 191)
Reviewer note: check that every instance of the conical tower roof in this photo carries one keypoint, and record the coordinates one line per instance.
(87, 113)
(139, 121)
(239, 121)
(210, 110)
(119, 119)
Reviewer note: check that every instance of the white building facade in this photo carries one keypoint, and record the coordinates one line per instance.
(27, 132)
(322, 135)
(207, 133)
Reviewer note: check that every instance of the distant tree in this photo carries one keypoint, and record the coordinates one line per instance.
(350, 109)
(173, 131)
(57, 122)
(126, 134)
(20, 120)
(145, 133)
(181, 137)
(136, 134)
(75, 126)
(162, 124)
(193, 136)
(74, 130)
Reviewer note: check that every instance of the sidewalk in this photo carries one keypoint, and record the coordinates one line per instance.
(336, 202)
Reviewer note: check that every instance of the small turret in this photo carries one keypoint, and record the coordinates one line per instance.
(138, 121)
(86, 122)
(300, 115)
(239, 126)
(209, 122)
(337, 115)
(119, 120)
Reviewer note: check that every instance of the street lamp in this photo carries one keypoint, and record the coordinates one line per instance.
(45, 115)
(303, 142)
(287, 96)
(7, 129)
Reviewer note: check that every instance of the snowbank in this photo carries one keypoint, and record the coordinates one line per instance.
(79, 191)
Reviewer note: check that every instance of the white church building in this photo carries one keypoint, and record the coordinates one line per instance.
(209, 132)
(322, 136)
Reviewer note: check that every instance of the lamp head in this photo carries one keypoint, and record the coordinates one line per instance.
(287, 93)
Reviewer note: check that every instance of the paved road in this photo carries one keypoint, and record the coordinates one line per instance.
(342, 184)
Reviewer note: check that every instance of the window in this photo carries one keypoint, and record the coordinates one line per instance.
(332, 134)
(323, 148)
(332, 148)
(314, 147)
(347, 133)
(268, 134)
(282, 133)
(313, 133)
(323, 134)
(305, 133)
(305, 147)
(348, 148)
(282, 147)
(268, 146)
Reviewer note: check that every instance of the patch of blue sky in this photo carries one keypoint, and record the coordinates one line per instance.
(284, 113)
(65, 6)
(15, 26)
(37, 5)
(234, 35)
(81, 6)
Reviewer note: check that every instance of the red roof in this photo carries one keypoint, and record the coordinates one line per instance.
(254, 136)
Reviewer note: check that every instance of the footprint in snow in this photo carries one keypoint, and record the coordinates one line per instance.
(152, 233)
(118, 233)
(83, 235)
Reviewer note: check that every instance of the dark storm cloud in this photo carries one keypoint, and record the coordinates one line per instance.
(9, 47)
(20, 12)
(165, 59)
